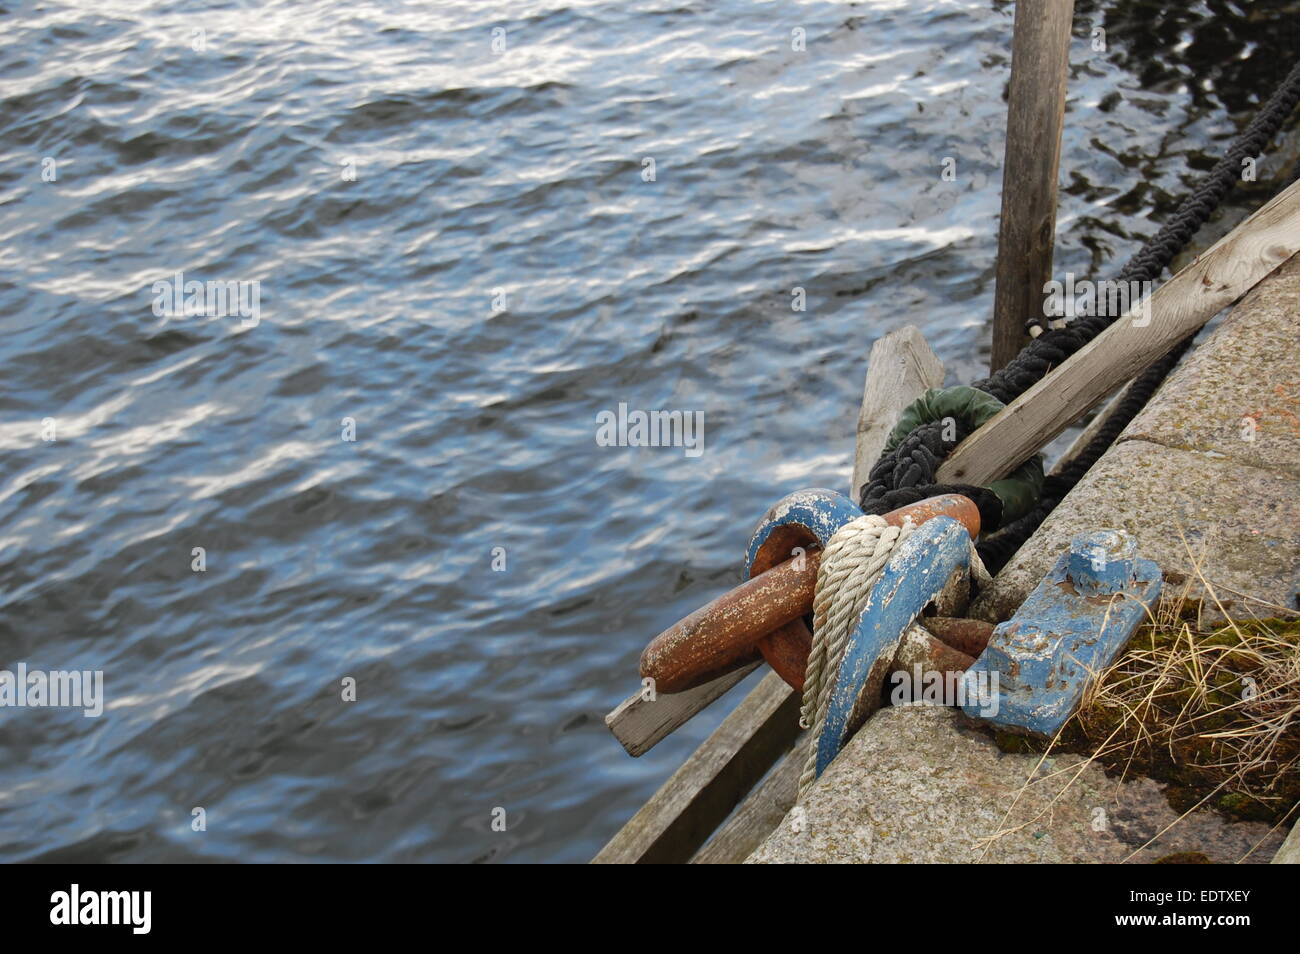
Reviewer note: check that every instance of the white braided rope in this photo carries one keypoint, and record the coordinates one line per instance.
(851, 563)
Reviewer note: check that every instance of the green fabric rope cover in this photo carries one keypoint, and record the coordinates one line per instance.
(1020, 491)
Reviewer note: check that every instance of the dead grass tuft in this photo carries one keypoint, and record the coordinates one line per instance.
(1210, 710)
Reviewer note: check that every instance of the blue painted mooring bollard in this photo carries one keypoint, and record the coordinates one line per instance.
(1071, 627)
(915, 575)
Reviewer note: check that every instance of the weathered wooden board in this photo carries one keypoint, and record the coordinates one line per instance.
(901, 367)
(760, 813)
(1040, 62)
(1085, 436)
(1289, 853)
(698, 796)
(640, 724)
(1216, 279)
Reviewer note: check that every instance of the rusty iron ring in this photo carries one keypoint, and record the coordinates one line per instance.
(764, 615)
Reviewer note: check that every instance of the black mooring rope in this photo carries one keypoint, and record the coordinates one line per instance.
(999, 548)
(906, 473)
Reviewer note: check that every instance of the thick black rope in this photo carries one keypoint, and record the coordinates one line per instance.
(907, 473)
(1054, 346)
(996, 550)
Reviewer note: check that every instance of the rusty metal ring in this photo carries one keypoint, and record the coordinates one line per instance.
(802, 518)
(764, 614)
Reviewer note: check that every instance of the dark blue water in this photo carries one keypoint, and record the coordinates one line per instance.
(388, 178)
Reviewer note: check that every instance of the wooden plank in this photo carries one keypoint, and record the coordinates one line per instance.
(1216, 279)
(1089, 432)
(698, 796)
(1040, 62)
(758, 815)
(640, 724)
(901, 367)
(1289, 853)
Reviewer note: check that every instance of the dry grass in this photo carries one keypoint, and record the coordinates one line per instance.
(1208, 709)
(1211, 710)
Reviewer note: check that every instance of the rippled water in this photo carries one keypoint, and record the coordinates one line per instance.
(220, 140)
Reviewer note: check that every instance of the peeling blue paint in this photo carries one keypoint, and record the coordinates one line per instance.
(819, 511)
(1071, 626)
(916, 574)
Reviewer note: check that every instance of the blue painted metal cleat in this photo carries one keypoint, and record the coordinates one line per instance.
(1032, 676)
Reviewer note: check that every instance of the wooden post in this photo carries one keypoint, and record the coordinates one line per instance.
(1040, 61)
(901, 367)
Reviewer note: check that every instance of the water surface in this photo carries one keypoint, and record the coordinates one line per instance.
(482, 178)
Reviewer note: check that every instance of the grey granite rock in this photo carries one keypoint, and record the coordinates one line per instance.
(1242, 523)
(1237, 395)
(921, 785)
(1289, 853)
(1209, 472)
